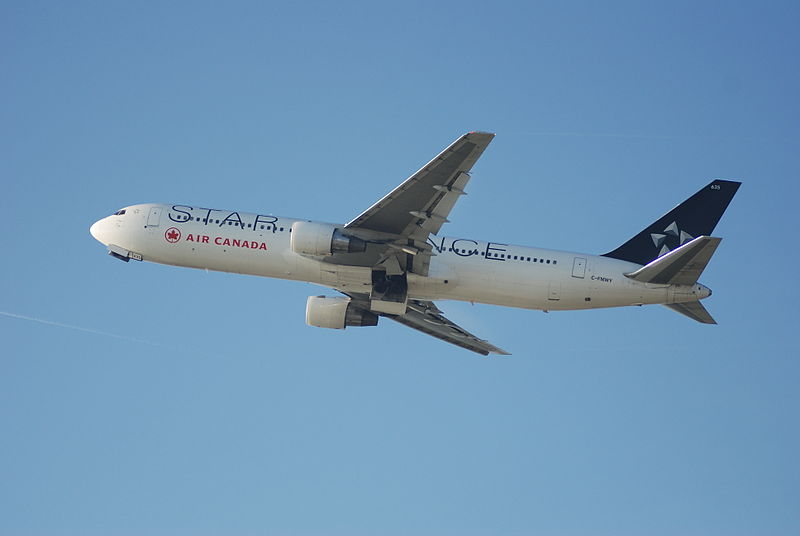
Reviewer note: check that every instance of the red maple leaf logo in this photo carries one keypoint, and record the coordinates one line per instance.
(172, 235)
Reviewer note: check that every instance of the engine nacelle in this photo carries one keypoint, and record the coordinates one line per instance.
(336, 313)
(320, 239)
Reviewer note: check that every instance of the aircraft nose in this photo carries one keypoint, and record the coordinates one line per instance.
(97, 230)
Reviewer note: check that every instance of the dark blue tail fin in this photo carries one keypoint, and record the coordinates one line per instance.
(696, 216)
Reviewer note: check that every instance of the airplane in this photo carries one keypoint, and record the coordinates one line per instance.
(390, 262)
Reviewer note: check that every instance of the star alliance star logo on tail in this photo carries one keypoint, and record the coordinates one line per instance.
(671, 236)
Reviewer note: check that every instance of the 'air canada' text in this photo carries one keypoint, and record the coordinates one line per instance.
(222, 241)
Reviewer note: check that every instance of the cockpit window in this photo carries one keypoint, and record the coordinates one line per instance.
(119, 212)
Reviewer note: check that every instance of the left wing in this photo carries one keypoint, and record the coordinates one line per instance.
(424, 316)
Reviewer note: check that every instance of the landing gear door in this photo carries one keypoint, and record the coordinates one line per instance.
(154, 218)
(579, 267)
(389, 293)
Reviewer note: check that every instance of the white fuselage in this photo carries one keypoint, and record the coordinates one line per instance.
(461, 269)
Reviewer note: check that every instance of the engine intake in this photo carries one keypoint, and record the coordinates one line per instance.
(336, 313)
(320, 239)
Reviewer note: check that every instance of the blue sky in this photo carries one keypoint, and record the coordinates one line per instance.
(215, 409)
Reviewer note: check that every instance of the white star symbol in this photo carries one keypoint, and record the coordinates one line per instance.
(672, 230)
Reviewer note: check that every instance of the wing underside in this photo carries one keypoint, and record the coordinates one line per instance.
(421, 204)
(424, 316)
(440, 327)
(397, 227)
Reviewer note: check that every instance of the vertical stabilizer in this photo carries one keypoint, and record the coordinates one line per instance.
(697, 216)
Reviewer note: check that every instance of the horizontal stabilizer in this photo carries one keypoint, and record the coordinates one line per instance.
(693, 310)
(681, 266)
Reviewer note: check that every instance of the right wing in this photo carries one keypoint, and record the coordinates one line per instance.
(421, 204)
(405, 217)
(424, 316)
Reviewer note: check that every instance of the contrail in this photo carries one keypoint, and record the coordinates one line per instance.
(79, 328)
(567, 134)
(603, 135)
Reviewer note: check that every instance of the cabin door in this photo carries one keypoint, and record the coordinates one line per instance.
(154, 218)
(579, 267)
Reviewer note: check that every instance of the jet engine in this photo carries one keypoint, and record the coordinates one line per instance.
(336, 313)
(319, 239)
